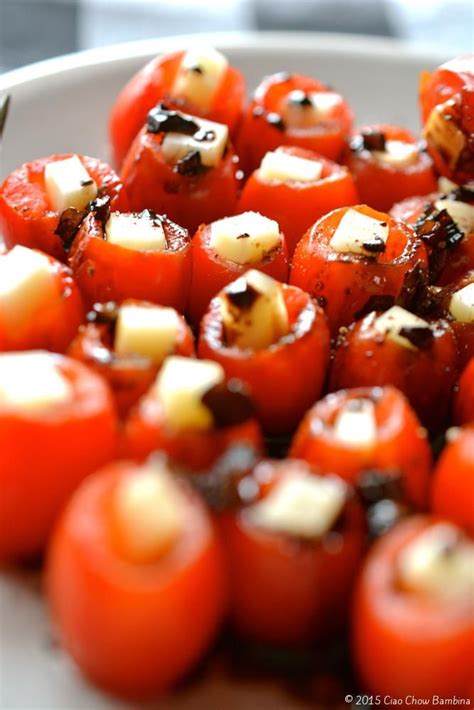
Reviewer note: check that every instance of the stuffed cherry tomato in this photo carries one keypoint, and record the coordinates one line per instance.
(352, 255)
(296, 187)
(413, 621)
(445, 223)
(398, 348)
(57, 425)
(193, 414)
(293, 550)
(226, 249)
(447, 108)
(127, 344)
(274, 338)
(115, 256)
(354, 431)
(464, 398)
(40, 305)
(459, 303)
(452, 491)
(388, 165)
(182, 166)
(36, 195)
(136, 579)
(199, 81)
(291, 109)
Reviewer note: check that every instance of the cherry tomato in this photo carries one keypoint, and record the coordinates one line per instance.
(399, 446)
(288, 376)
(282, 113)
(152, 84)
(47, 449)
(26, 216)
(464, 397)
(134, 626)
(452, 492)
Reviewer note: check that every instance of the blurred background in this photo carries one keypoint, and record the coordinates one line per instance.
(31, 30)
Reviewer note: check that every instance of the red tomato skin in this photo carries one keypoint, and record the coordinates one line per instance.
(210, 273)
(284, 379)
(257, 136)
(280, 590)
(319, 270)
(453, 82)
(54, 325)
(129, 378)
(151, 85)
(404, 645)
(42, 460)
(463, 408)
(364, 358)
(25, 214)
(297, 205)
(151, 183)
(107, 272)
(452, 491)
(460, 259)
(133, 629)
(380, 185)
(146, 431)
(402, 444)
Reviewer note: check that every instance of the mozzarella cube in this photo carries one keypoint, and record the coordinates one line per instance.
(149, 511)
(355, 424)
(460, 212)
(253, 312)
(439, 564)
(210, 142)
(202, 70)
(445, 185)
(356, 230)
(27, 282)
(135, 231)
(246, 238)
(277, 165)
(68, 184)
(397, 154)
(303, 505)
(148, 331)
(31, 383)
(304, 110)
(180, 386)
(461, 305)
(394, 320)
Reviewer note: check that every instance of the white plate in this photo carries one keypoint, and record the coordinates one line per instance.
(61, 105)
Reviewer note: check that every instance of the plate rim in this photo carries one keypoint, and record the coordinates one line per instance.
(258, 42)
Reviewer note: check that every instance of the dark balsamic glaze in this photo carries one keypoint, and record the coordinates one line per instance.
(162, 120)
(229, 403)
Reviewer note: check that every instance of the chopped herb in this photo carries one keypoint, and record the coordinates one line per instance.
(419, 336)
(370, 140)
(190, 165)
(244, 235)
(68, 226)
(375, 246)
(162, 120)
(438, 229)
(86, 182)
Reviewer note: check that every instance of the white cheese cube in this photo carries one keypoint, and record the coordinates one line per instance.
(31, 383)
(445, 185)
(355, 424)
(253, 311)
(304, 110)
(439, 564)
(461, 305)
(277, 165)
(202, 70)
(444, 134)
(148, 331)
(180, 386)
(68, 184)
(27, 282)
(397, 154)
(303, 505)
(210, 142)
(394, 320)
(356, 230)
(135, 231)
(246, 238)
(460, 212)
(149, 511)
